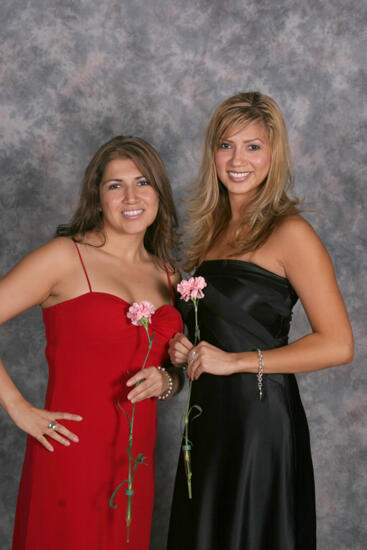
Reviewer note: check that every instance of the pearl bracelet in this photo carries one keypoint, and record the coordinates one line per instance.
(260, 373)
(170, 384)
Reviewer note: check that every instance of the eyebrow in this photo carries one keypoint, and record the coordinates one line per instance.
(119, 180)
(245, 141)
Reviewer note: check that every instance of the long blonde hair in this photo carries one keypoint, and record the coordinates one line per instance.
(209, 209)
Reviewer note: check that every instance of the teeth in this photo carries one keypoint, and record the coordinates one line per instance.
(238, 174)
(132, 212)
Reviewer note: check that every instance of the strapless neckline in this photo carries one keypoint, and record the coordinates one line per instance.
(245, 264)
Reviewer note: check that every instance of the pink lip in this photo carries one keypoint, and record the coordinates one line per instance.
(238, 180)
(131, 218)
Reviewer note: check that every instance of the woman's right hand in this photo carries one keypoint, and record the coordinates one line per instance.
(179, 348)
(35, 422)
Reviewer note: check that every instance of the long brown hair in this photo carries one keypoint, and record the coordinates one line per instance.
(161, 237)
(209, 209)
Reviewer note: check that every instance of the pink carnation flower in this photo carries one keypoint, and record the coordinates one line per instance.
(140, 312)
(191, 288)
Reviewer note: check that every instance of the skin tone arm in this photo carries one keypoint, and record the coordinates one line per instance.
(29, 283)
(308, 267)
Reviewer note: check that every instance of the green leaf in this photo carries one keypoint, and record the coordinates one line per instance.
(111, 503)
(198, 408)
(138, 460)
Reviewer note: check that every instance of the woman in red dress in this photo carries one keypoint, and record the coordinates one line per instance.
(115, 251)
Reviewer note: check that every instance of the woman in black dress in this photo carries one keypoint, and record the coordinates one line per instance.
(252, 483)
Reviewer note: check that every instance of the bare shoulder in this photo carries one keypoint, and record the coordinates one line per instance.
(58, 253)
(61, 248)
(297, 241)
(33, 279)
(301, 251)
(45, 265)
(295, 229)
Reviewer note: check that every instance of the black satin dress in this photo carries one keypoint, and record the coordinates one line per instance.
(252, 484)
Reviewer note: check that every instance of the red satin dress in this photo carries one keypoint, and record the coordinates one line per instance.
(63, 502)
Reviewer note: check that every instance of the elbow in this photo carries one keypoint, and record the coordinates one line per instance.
(340, 347)
(346, 351)
(350, 354)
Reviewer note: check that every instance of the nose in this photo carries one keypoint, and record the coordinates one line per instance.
(238, 156)
(130, 194)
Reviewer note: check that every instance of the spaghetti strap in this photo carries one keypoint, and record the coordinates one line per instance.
(170, 283)
(85, 271)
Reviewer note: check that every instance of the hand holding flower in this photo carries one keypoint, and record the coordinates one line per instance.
(210, 359)
(179, 348)
(150, 383)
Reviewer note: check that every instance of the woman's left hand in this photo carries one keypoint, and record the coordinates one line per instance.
(153, 382)
(207, 358)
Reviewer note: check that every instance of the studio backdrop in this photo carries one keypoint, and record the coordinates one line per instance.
(74, 74)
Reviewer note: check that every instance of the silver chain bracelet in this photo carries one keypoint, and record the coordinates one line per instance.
(170, 384)
(260, 373)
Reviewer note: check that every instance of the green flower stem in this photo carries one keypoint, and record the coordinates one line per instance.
(129, 491)
(187, 445)
(129, 512)
(150, 343)
(197, 329)
(139, 459)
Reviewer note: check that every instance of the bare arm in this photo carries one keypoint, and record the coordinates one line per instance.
(29, 283)
(310, 271)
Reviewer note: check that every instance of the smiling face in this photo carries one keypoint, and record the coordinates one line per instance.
(129, 203)
(243, 159)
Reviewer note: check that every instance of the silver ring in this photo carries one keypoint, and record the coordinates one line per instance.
(52, 426)
(192, 356)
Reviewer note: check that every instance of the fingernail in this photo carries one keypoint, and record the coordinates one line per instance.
(76, 438)
(80, 418)
(128, 383)
(67, 443)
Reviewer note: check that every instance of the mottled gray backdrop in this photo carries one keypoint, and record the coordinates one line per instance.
(73, 74)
